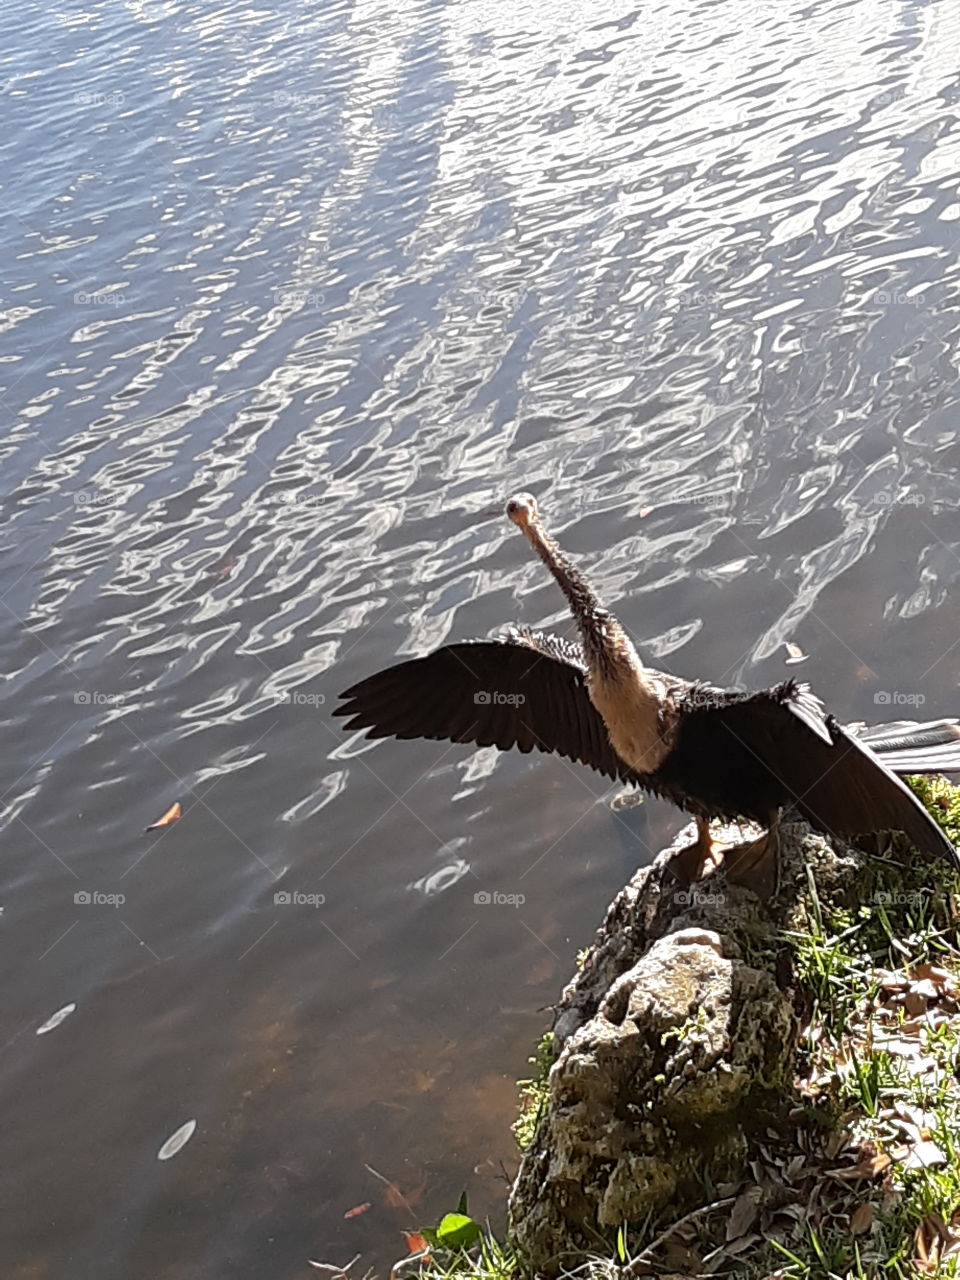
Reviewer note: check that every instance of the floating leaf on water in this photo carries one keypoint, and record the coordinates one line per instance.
(173, 813)
(393, 1197)
(626, 800)
(442, 879)
(794, 653)
(56, 1019)
(177, 1140)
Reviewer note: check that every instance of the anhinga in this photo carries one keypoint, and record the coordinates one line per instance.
(717, 753)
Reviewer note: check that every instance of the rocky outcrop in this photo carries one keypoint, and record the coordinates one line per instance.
(676, 1044)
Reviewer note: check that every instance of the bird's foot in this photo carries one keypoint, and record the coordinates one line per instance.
(756, 865)
(697, 860)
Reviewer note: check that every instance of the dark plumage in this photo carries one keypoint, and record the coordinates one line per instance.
(714, 752)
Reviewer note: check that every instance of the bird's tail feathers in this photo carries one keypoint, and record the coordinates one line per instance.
(908, 747)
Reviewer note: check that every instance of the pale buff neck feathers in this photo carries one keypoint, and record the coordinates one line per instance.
(630, 701)
(629, 698)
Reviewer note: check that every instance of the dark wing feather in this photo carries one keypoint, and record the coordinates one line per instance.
(771, 746)
(521, 690)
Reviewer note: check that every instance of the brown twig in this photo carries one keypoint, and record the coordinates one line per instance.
(632, 1268)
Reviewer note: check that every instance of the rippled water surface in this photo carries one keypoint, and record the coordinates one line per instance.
(293, 297)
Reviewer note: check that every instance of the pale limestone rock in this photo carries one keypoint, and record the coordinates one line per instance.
(675, 1040)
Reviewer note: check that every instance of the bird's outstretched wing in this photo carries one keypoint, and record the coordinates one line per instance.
(523, 689)
(781, 738)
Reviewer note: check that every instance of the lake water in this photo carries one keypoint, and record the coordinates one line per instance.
(293, 297)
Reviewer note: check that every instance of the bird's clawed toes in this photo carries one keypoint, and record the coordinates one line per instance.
(696, 861)
(755, 865)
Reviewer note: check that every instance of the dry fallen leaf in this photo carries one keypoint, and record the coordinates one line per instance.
(897, 1045)
(927, 988)
(396, 1199)
(893, 980)
(393, 1196)
(744, 1213)
(929, 1241)
(914, 1002)
(794, 1166)
(738, 1246)
(867, 1169)
(943, 977)
(172, 814)
(923, 1155)
(416, 1242)
(835, 1144)
(861, 1220)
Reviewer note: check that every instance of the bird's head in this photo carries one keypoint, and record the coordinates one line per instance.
(522, 510)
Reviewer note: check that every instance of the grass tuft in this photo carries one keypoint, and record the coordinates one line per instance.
(533, 1092)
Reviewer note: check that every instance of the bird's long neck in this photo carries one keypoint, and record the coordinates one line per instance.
(629, 698)
(606, 646)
